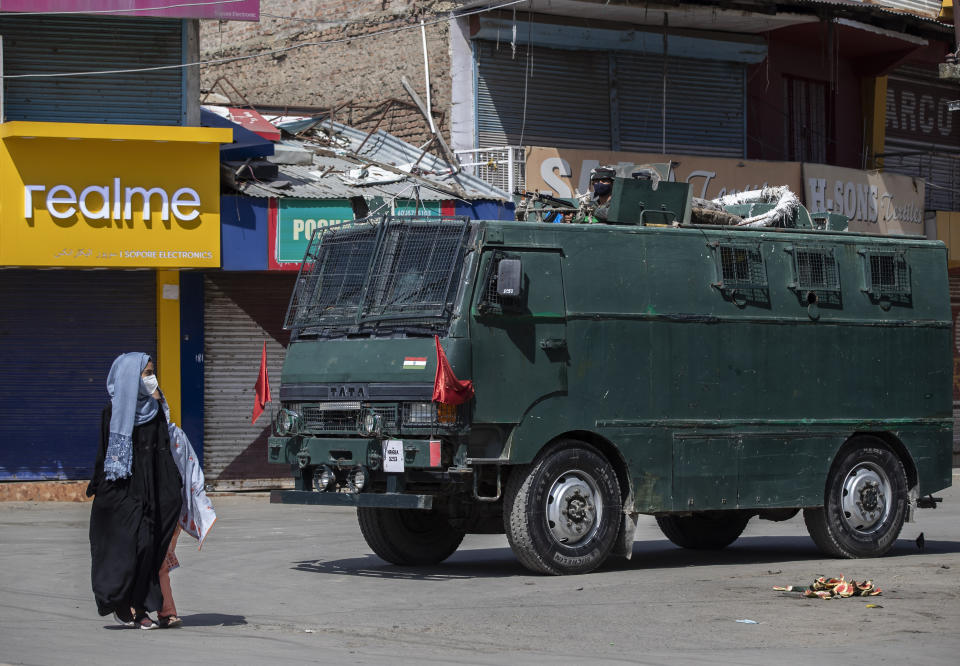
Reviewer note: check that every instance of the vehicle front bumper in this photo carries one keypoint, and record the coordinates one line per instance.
(344, 452)
(375, 500)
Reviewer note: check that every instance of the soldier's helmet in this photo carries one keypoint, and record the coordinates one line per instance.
(602, 172)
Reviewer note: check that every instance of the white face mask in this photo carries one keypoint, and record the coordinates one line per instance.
(148, 384)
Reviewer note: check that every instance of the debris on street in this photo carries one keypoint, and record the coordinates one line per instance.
(833, 588)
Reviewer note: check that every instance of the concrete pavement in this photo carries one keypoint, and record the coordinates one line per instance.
(287, 583)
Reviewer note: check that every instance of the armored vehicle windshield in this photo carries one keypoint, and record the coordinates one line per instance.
(390, 276)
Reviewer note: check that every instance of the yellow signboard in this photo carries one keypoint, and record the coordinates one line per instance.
(79, 195)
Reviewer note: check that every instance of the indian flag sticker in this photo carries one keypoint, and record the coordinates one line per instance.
(414, 362)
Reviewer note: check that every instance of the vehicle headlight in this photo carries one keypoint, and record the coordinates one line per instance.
(325, 478)
(369, 423)
(288, 422)
(420, 413)
(358, 479)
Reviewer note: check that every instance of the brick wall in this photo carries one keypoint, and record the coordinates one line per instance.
(357, 78)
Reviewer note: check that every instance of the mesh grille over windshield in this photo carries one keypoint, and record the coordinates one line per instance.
(400, 268)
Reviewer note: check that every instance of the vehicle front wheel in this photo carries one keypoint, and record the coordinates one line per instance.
(704, 531)
(562, 513)
(865, 502)
(408, 536)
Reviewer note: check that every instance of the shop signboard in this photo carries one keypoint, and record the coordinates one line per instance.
(884, 203)
(88, 195)
(920, 111)
(296, 220)
(224, 10)
(412, 207)
(565, 172)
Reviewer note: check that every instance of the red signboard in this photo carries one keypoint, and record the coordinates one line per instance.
(225, 10)
(254, 122)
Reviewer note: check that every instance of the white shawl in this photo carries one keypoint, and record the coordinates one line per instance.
(197, 515)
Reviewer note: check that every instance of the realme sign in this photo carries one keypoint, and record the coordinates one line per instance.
(62, 203)
(109, 195)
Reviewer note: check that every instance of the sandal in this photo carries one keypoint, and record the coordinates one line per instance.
(169, 622)
(146, 623)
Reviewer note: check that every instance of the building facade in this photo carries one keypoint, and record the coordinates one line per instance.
(109, 190)
(817, 95)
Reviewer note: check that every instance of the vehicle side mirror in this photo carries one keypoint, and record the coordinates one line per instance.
(509, 279)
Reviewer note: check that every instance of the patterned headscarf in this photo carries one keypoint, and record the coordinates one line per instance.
(130, 407)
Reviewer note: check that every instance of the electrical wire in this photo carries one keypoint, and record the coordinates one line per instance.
(131, 10)
(306, 19)
(294, 47)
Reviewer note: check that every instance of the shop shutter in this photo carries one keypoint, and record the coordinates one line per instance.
(704, 105)
(59, 333)
(241, 311)
(955, 307)
(567, 97)
(570, 94)
(55, 44)
(940, 172)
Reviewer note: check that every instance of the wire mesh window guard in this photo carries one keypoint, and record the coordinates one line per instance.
(331, 278)
(815, 271)
(413, 271)
(741, 266)
(741, 272)
(886, 274)
(490, 301)
(388, 268)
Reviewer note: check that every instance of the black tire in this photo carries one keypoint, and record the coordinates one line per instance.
(712, 530)
(571, 477)
(408, 536)
(865, 502)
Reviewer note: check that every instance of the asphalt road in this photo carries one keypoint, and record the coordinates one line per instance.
(293, 584)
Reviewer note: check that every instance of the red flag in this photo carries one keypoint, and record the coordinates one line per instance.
(446, 387)
(262, 387)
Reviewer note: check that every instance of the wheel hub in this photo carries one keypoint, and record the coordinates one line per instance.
(866, 498)
(573, 507)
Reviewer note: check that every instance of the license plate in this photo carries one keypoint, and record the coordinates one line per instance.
(393, 455)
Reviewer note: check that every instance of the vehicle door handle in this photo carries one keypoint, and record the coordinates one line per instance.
(551, 344)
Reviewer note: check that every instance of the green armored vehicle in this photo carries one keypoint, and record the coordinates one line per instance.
(700, 373)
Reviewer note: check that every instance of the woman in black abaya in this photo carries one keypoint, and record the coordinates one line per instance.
(137, 495)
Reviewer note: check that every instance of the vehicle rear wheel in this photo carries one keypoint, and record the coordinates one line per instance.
(562, 513)
(407, 536)
(865, 502)
(704, 531)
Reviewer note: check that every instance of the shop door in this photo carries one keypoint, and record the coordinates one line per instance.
(59, 333)
(241, 312)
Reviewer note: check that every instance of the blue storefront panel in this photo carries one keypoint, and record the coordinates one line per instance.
(59, 332)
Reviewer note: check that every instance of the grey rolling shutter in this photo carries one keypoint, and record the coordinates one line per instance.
(241, 311)
(57, 44)
(940, 172)
(570, 101)
(955, 306)
(59, 333)
(704, 105)
(567, 97)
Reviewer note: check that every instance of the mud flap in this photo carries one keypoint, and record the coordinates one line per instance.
(912, 496)
(623, 547)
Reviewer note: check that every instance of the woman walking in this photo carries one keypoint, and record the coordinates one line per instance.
(137, 495)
